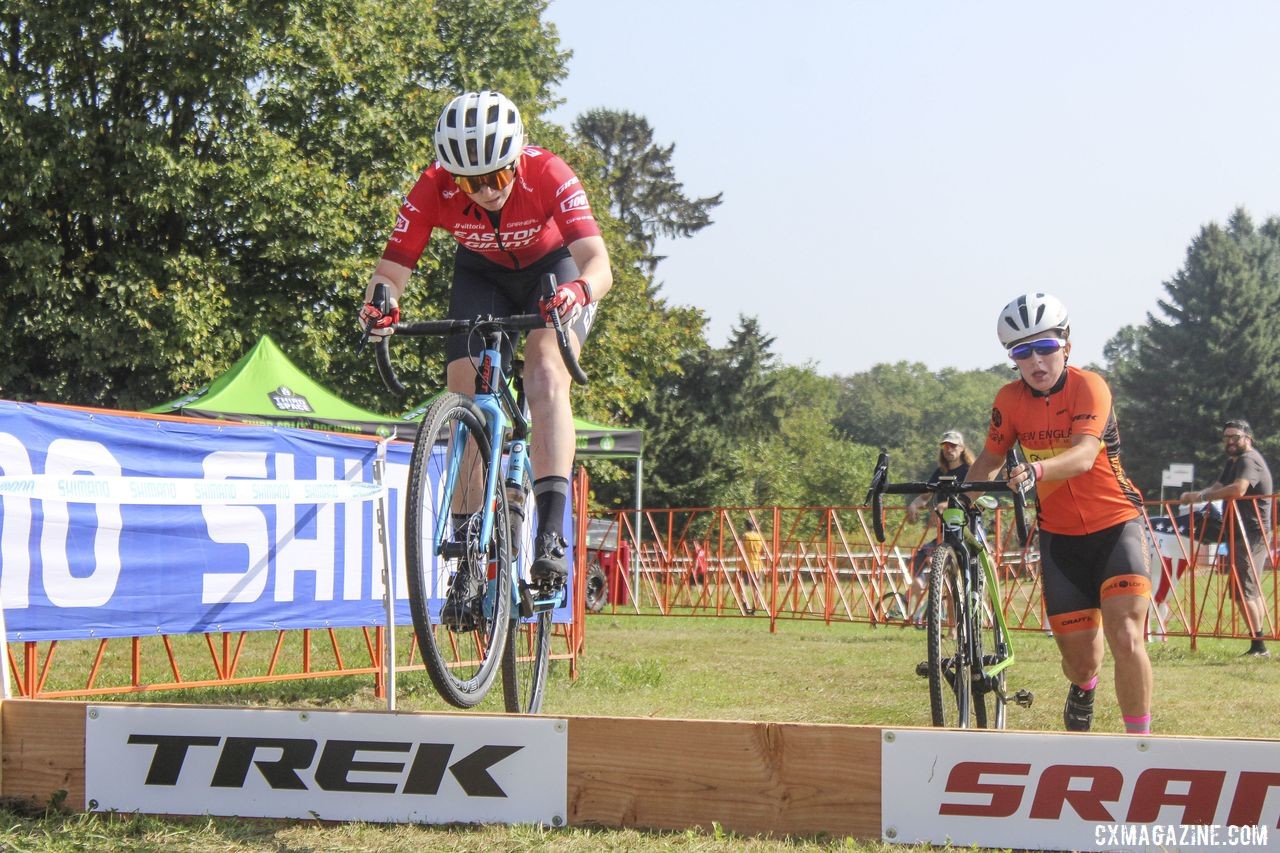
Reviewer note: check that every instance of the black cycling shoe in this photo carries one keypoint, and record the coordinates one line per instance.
(550, 563)
(1077, 716)
(458, 612)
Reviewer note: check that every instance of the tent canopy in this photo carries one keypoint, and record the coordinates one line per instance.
(266, 387)
(607, 442)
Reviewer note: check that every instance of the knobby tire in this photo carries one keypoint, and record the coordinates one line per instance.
(950, 683)
(462, 664)
(988, 708)
(525, 664)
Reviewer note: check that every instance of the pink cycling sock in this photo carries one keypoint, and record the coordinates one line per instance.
(1090, 684)
(1137, 725)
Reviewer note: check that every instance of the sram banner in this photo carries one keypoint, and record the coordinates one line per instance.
(1078, 792)
(328, 765)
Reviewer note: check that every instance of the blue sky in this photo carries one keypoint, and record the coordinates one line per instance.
(895, 172)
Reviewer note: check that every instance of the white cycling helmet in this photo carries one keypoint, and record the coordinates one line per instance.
(478, 133)
(1032, 314)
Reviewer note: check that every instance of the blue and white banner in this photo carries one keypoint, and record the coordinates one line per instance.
(117, 526)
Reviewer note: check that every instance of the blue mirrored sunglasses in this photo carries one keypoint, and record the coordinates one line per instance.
(1045, 346)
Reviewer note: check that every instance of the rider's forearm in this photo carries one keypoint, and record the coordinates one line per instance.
(592, 259)
(392, 274)
(1076, 460)
(985, 467)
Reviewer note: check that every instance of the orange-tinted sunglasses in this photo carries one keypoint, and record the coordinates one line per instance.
(497, 180)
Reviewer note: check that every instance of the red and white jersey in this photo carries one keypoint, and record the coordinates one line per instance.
(547, 209)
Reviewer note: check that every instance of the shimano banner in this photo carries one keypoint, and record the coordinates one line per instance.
(117, 526)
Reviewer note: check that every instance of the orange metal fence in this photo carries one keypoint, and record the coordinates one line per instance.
(132, 665)
(824, 563)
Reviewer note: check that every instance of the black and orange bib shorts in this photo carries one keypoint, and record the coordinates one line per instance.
(1079, 572)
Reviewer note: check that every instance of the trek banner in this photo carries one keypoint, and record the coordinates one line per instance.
(119, 525)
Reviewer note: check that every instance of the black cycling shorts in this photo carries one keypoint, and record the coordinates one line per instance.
(1077, 572)
(483, 287)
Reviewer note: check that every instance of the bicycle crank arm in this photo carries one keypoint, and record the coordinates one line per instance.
(526, 600)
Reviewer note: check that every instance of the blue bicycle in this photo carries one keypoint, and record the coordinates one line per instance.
(464, 523)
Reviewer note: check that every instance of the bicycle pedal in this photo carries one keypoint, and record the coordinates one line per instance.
(526, 601)
(922, 669)
(990, 660)
(1024, 698)
(453, 550)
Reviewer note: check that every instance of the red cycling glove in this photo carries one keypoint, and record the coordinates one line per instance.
(376, 323)
(568, 302)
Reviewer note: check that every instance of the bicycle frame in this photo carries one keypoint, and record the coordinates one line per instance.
(501, 411)
(969, 538)
(488, 377)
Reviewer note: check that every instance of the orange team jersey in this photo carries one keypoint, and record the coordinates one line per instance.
(1044, 425)
(547, 210)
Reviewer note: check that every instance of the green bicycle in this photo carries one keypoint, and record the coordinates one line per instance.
(970, 651)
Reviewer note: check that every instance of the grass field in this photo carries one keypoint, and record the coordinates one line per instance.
(696, 668)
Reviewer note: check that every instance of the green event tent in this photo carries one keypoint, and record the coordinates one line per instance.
(265, 387)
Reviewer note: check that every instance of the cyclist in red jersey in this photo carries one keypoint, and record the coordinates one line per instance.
(517, 212)
(1094, 559)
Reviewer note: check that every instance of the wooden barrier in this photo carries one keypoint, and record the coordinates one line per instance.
(783, 778)
(1056, 791)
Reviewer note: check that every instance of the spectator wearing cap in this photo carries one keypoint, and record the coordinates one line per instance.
(1245, 480)
(953, 461)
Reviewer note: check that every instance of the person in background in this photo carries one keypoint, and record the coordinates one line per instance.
(517, 212)
(954, 460)
(1093, 543)
(1245, 475)
(698, 573)
(752, 550)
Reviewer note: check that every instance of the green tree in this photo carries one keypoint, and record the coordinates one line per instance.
(682, 442)
(1209, 355)
(643, 191)
(905, 407)
(737, 428)
(176, 186)
(805, 461)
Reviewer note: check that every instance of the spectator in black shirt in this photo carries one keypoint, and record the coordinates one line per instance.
(953, 461)
(1245, 475)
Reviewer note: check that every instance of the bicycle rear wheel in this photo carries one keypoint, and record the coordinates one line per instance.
(990, 647)
(444, 512)
(525, 664)
(950, 684)
(893, 607)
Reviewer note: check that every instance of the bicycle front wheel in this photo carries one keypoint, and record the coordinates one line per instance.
(950, 676)
(525, 664)
(459, 586)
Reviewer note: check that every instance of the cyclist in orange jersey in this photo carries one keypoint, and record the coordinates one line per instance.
(1093, 550)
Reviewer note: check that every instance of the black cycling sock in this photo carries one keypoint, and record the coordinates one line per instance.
(551, 496)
